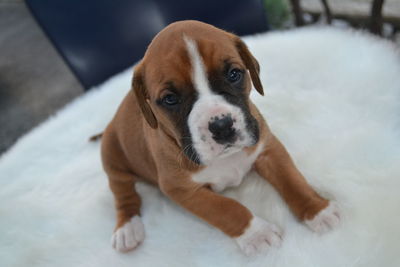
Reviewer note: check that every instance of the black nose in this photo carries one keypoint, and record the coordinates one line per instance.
(222, 130)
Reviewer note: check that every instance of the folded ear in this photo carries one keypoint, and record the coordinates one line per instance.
(142, 96)
(251, 64)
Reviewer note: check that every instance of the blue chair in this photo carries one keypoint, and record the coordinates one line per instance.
(99, 38)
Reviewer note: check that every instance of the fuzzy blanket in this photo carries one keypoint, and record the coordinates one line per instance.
(332, 97)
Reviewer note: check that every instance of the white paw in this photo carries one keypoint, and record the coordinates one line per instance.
(259, 236)
(129, 235)
(326, 219)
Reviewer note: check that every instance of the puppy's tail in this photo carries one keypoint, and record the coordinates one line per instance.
(95, 137)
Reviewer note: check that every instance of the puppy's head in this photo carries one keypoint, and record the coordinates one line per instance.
(194, 84)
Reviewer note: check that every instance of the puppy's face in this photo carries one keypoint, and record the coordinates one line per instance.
(196, 88)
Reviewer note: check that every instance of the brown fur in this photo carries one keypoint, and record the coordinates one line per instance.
(142, 142)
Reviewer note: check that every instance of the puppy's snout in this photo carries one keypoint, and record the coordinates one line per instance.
(222, 129)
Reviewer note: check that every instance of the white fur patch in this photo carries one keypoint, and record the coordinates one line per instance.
(259, 237)
(228, 171)
(199, 75)
(129, 235)
(326, 219)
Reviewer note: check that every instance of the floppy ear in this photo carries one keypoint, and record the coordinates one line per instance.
(142, 97)
(251, 64)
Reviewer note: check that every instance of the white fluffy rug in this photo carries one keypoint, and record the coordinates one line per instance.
(332, 97)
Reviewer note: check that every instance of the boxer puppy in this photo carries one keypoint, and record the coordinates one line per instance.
(189, 127)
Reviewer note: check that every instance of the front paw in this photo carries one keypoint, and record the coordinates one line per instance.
(259, 236)
(325, 220)
(129, 235)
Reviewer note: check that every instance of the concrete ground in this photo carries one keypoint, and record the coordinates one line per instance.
(34, 81)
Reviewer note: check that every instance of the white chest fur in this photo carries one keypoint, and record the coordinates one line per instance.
(228, 171)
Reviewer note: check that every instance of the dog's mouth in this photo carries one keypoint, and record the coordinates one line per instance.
(229, 150)
(190, 151)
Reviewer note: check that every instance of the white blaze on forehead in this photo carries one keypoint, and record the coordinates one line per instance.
(199, 77)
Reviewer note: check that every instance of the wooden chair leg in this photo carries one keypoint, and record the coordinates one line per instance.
(327, 9)
(298, 13)
(376, 17)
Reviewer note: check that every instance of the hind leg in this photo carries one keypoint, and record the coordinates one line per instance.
(129, 231)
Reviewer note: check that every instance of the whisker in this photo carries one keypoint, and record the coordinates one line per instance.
(181, 154)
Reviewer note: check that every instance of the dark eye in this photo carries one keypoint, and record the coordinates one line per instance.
(234, 75)
(170, 99)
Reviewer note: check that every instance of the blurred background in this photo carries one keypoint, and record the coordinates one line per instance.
(52, 51)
